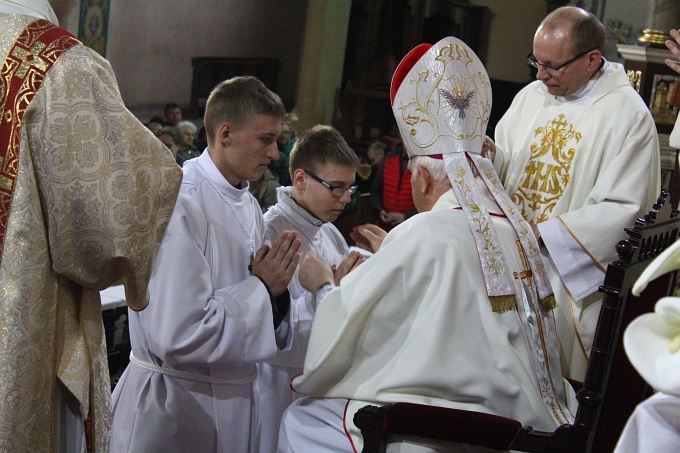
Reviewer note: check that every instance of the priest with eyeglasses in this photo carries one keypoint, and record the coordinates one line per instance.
(578, 152)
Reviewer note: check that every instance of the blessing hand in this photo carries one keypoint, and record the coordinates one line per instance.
(368, 237)
(674, 46)
(488, 148)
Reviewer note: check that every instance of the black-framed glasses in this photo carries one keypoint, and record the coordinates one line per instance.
(337, 191)
(533, 62)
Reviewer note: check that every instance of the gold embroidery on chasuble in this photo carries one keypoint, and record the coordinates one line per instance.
(547, 173)
(35, 51)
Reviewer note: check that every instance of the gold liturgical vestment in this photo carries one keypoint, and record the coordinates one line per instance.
(86, 194)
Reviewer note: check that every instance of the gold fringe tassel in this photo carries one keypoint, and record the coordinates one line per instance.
(548, 303)
(501, 304)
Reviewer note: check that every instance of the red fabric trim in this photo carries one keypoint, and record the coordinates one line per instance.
(405, 66)
(290, 384)
(33, 54)
(344, 427)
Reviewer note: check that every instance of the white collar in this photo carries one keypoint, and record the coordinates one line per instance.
(210, 170)
(40, 9)
(584, 94)
(285, 195)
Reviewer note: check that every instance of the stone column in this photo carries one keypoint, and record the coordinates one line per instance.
(663, 15)
(322, 61)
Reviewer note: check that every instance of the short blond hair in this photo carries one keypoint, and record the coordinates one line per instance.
(236, 101)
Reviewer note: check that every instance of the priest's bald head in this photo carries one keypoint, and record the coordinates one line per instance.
(567, 50)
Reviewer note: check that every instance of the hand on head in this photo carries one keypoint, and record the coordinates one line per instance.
(368, 237)
(276, 264)
(674, 46)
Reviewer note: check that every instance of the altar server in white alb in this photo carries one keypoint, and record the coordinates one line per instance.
(578, 153)
(454, 309)
(323, 170)
(217, 293)
(86, 192)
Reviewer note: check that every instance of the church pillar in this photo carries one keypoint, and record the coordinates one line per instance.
(321, 65)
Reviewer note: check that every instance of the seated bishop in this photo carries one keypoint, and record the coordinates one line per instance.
(454, 309)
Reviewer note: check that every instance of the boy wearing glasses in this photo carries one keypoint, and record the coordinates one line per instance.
(579, 154)
(322, 169)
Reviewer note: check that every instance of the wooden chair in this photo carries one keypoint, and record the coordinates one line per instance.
(611, 389)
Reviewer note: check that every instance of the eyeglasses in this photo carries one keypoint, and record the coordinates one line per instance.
(336, 191)
(533, 62)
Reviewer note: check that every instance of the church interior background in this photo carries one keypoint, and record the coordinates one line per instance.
(331, 60)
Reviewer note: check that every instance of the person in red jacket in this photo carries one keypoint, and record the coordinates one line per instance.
(391, 199)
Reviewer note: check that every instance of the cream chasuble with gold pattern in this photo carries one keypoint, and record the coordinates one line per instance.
(93, 191)
(432, 337)
(587, 167)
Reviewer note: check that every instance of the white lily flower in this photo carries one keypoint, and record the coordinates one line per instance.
(668, 261)
(652, 343)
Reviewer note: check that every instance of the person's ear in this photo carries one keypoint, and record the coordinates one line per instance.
(425, 180)
(224, 134)
(594, 60)
(299, 179)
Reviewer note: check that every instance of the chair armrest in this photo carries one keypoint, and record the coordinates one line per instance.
(433, 422)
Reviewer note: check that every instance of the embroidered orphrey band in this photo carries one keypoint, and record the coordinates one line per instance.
(34, 53)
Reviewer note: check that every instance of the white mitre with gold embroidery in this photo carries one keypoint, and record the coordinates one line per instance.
(441, 99)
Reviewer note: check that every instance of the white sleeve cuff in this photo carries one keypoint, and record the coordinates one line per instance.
(323, 292)
(579, 273)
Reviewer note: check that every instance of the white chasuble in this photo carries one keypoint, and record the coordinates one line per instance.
(320, 239)
(415, 324)
(93, 194)
(195, 347)
(588, 168)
